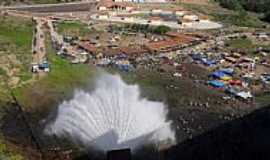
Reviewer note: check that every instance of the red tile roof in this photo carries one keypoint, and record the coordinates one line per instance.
(133, 50)
(177, 41)
(155, 18)
(88, 47)
(108, 4)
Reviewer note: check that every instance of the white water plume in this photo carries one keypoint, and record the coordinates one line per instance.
(113, 116)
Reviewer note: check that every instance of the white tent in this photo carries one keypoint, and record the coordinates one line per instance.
(244, 95)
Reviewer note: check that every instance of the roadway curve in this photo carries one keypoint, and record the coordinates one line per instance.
(63, 7)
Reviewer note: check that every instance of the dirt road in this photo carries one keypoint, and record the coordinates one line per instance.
(39, 51)
(63, 7)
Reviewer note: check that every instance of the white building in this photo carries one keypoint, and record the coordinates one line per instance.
(155, 21)
(191, 17)
(180, 13)
(102, 16)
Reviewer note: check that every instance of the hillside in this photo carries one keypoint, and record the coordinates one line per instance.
(259, 6)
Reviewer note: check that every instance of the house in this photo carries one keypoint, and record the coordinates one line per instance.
(230, 59)
(87, 47)
(180, 36)
(180, 13)
(115, 6)
(190, 18)
(126, 18)
(176, 42)
(156, 11)
(102, 8)
(164, 46)
(133, 51)
(102, 16)
(155, 20)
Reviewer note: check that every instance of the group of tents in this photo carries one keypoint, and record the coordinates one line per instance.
(204, 60)
(120, 61)
(223, 77)
(220, 77)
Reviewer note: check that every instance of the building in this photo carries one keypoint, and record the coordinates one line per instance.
(156, 11)
(176, 42)
(126, 18)
(88, 47)
(102, 8)
(180, 13)
(190, 18)
(155, 20)
(115, 6)
(134, 51)
(164, 46)
(102, 16)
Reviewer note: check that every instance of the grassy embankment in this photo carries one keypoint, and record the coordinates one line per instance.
(15, 59)
(15, 63)
(73, 28)
(58, 84)
(15, 53)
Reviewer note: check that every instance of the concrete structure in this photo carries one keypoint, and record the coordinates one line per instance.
(191, 18)
(156, 11)
(102, 16)
(180, 13)
(155, 20)
(102, 8)
(115, 6)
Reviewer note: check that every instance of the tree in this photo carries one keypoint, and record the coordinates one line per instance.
(267, 16)
(161, 29)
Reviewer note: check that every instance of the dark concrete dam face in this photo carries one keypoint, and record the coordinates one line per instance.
(72, 7)
(112, 116)
(246, 138)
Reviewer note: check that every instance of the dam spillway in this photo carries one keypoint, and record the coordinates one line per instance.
(112, 116)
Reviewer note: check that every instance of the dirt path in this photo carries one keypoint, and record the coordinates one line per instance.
(39, 49)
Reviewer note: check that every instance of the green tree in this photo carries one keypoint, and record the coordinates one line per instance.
(161, 29)
(267, 16)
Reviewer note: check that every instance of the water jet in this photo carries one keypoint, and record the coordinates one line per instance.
(111, 117)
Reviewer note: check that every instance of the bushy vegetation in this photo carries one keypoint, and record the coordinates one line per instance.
(15, 53)
(161, 29)
(144, 28)
(230, 17)
(245, 44)
(6, 155)
(260, 6)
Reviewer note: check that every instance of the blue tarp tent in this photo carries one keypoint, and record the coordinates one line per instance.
(196, 57)
(218, 74)
(228, 71)
(216, 84)
(121, 56)
(44, 65)
(209, 62)
(125, 67)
